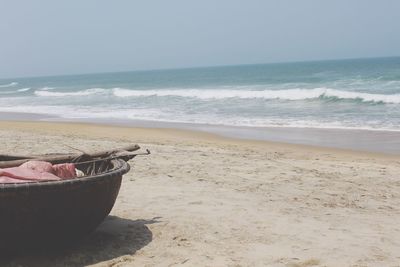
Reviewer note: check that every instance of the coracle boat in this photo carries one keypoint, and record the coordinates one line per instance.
(54, 213)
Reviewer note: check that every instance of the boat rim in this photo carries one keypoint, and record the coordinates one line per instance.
(120, 167)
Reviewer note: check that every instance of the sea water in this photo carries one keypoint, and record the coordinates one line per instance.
(338, 94)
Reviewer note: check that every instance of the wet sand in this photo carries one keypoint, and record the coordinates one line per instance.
(354, 139)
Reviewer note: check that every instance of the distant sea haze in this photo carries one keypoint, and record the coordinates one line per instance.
(348, 94)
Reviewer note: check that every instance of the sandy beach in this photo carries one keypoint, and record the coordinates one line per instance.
(204, 200)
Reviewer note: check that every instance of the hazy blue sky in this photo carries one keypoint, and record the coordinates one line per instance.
(48, 37)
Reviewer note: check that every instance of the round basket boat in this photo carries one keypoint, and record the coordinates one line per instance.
(58, 212)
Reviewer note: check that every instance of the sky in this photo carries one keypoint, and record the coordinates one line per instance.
(47, 37)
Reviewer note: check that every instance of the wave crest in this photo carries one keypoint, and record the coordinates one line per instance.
(288, 94)
(24, 89)
(9, 84)
(86, 92)
(220, 94)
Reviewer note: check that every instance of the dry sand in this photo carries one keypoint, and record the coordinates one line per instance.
(204, 200)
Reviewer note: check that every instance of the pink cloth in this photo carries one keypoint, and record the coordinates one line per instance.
(65, 170)
(40, 166)
(37, 171)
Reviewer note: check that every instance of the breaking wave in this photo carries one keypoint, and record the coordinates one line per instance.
(46, 88)
(8, 85)
(24, 89)
(86, 92)
(288, 94)
(209, 94)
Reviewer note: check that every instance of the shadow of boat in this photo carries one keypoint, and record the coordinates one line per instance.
(114, 238)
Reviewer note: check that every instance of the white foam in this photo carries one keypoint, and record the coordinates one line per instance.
(209, 94)
(74, 112)
(46, 88)
(365, 97)
(85, 92)
(9, 84)
(288, 94)
(156, 115)
(24, 89)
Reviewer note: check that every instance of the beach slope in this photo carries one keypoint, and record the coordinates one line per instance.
(204, 200)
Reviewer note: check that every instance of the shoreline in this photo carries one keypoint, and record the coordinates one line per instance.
(363, 141)
(166, 135)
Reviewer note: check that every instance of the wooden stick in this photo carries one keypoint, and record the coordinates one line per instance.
(59, 158)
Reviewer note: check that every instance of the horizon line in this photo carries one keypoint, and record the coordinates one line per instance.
(199, 67)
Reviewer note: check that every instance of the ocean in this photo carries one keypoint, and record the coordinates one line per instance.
(336, 94)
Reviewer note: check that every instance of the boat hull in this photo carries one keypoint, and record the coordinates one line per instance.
(53, 214)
